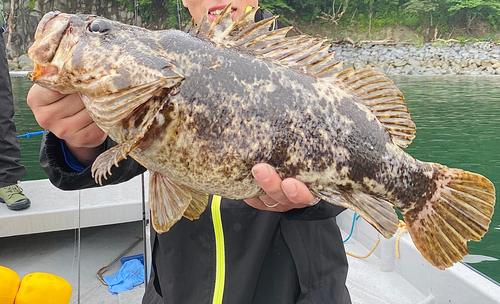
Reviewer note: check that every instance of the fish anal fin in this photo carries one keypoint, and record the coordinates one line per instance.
(102, 165)
(169, 201)
(376, 211)
(459, 210)
(381, 96)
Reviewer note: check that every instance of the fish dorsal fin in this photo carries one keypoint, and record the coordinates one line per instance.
(301, 52)
(216, 28)
(379, 94)
(311, 56)
(238, 33)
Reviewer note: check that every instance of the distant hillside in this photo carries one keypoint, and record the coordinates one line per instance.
(354, 21)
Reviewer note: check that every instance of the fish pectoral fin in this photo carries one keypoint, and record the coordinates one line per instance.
(105, 161)
(169, 201)
(381, 96)
(376, 211)
(109, 110)
(459, 210)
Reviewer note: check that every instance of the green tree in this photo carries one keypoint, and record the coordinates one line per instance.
(421, 7)
(487, 9)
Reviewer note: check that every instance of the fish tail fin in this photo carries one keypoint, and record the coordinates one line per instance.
(459, 209)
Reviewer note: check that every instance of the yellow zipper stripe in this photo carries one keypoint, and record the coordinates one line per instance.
(220, 265)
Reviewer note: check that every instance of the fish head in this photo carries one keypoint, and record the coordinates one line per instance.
(93, 55)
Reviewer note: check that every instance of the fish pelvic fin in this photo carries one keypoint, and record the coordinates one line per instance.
(197, 206)
(375, 210)
(169, 201)
(459, 210)
(381, 96)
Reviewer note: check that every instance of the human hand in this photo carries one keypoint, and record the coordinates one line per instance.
(281, 195)
(67, 118)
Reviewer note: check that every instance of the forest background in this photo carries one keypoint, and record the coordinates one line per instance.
(408, 21)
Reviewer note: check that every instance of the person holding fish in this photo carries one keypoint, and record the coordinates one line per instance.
(281, 247)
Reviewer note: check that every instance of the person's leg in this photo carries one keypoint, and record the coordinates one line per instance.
(10, 154)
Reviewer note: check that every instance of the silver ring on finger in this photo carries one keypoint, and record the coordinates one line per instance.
(271, 206)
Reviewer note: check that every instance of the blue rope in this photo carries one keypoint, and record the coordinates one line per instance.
(29, 134)
(354, 219)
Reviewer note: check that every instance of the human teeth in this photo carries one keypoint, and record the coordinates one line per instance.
(216, 12)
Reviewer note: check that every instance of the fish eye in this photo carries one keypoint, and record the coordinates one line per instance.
(99, 26)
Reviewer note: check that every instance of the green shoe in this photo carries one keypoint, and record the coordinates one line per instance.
(14, 197)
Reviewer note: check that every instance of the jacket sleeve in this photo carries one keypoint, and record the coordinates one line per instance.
(321, 211)
(63, 177)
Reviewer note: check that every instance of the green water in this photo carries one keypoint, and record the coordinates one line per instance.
(25, 122)
(458, 125)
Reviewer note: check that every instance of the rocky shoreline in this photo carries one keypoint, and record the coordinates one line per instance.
(22, 63)
(480, 58)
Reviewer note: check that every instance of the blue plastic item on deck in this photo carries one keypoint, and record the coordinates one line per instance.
(139, 257)
(130, 275)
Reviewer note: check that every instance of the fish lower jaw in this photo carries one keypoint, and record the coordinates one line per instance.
(44, 72)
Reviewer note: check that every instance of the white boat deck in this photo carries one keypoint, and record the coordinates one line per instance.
(53, 209)
(42, 238)
(384, 278)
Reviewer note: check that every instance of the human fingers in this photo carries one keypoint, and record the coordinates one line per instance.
(39, 96)
(50, 107)
(270, 181)
(79, 130)
(298, 193)
(65, 116)
(265, 202)
(280, 195)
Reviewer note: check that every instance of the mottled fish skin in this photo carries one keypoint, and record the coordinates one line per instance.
(198, 111)
(233, 110)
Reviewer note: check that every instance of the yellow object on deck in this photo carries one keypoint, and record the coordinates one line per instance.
(9, 284)
(43, 288)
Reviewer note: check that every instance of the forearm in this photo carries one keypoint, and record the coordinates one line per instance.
(64, 177)
(85, 156)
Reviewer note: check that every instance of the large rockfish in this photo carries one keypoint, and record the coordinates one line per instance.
(199, 109)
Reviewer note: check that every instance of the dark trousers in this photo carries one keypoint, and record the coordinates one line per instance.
(10, 154)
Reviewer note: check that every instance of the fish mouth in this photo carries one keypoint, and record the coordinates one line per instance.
(216, 10)
(48, 37)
